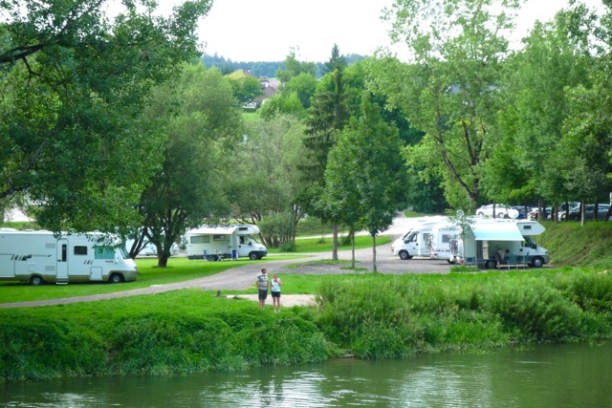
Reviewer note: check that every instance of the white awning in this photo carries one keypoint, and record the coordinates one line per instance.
(497, 231)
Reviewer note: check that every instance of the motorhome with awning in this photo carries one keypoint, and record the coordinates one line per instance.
(492, 243)
(222, 242)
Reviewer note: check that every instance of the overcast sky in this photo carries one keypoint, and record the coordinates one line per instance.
(267, 30)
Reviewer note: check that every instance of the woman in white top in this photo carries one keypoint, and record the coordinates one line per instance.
(276, 292)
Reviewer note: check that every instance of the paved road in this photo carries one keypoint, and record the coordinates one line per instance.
(243, 277)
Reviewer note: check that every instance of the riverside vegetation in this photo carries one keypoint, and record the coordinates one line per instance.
(371, 316)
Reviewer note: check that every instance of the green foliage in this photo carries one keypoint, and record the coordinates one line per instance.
(47, 348)
(74, 82)
(535, 309)
(173, 333)
(381, 317)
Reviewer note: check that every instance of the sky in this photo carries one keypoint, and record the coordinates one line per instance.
(268, 30)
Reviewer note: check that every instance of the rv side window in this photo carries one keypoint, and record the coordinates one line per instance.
(218, 237)
(80, 250)
(104, 252)
(200, 239)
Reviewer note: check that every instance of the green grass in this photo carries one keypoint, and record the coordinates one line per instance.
(568, 243)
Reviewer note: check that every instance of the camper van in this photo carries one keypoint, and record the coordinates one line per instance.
(501, 243)
(413, 243)
(222, 242)
(43, 256)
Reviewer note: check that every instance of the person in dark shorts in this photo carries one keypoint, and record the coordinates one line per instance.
(276, 292)
(263, 285)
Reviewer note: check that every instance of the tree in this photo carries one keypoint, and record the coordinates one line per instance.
(451, 90)
(246, 87)
(202, 123)
(293, 68)
(365, 177)
(328, 115)
(73, 84)
(265, 181)
(529, 163)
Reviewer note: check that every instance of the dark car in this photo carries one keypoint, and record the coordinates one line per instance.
(589, 211)
(522, 211)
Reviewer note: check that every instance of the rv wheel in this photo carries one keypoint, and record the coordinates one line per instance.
(115, 278)
(253, 256)
(537, 262)
(36, 280)
(404, 255)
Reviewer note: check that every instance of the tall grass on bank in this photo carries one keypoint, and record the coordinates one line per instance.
(393, 317)
(171, 333)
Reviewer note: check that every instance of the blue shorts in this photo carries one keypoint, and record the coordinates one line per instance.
(275, 294)
(262, 294)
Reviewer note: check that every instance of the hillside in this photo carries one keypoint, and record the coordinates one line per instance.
(570, 244)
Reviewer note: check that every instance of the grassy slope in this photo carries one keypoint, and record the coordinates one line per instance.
(570, 244)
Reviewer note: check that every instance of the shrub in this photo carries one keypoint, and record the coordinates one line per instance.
(534, 308)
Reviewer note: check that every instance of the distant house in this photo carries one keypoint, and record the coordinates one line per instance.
(268, 89)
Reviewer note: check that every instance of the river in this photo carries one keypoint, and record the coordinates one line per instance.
(559, 376)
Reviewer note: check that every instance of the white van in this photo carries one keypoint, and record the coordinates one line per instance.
(414, 243)
(221, 242)
(42, 256)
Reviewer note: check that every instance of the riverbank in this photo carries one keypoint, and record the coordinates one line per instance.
(368, 315)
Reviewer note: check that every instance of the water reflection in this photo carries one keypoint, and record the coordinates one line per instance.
(552, 376)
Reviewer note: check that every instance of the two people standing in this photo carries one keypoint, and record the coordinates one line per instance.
(264, 285)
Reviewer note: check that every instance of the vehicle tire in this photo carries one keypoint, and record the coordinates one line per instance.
(253, 256)
(211, 258)
(490, 264)
(451, 262)
(537, 262)
(36, 280)
(501, 215)
(404, 255)
(115, 278)
(480, 214)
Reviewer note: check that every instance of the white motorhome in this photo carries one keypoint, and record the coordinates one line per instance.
(443, 235)
(221, 242)
(42, 256)
(501, 242)
(413, 243)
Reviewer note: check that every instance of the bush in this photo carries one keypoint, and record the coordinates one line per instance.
(534, 308)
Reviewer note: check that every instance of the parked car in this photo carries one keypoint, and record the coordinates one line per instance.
(589, 212)
(523, 211)
(501, 211)
(563, 208)
(534, 213)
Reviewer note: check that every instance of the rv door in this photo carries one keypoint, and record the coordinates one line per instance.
(62, 259)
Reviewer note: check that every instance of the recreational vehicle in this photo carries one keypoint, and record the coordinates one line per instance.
(498, 243)
(414, 243)
(221, 242)
(43, 256)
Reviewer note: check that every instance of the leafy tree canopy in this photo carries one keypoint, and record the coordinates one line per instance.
(73, 83)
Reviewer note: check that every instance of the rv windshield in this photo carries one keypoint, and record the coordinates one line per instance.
(529, 242)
